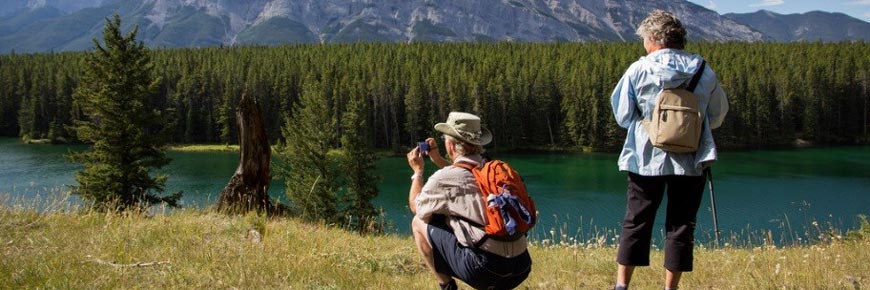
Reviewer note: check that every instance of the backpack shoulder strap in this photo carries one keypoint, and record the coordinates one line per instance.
(466, 165)
(475, 171)
(471, 168)
(697, 77)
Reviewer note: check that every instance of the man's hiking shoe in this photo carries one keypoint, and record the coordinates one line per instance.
(620, 287)
(449, 286)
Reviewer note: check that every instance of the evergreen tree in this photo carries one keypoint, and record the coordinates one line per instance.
(307, 166)
(358, 167)
(27, 119)
(128, 137)
(226, 114)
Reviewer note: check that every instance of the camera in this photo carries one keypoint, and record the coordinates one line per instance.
(424, 147)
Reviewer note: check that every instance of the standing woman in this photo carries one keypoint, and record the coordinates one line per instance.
(652, 171)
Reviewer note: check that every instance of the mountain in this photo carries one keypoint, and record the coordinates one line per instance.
(11, 7)
(63, 25)
(810, 26)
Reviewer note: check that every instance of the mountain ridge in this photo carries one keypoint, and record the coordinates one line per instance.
(809, 26)
(57, 25)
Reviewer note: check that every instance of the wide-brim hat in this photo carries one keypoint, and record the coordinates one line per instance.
(465, 127)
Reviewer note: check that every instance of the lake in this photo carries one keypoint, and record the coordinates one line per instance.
(791, 195)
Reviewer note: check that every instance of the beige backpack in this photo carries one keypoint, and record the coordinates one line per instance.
(676, 121)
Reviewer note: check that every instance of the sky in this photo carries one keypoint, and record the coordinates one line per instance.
(856, 8)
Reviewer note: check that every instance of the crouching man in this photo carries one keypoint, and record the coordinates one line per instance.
(448, 210)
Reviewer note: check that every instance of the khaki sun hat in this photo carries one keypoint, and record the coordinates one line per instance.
(465, 127)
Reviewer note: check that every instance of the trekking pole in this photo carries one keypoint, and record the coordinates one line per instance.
(713, 205)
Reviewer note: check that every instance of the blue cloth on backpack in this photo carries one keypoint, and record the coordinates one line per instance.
(506, 201)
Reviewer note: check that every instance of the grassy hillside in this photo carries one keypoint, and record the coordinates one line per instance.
(191, 27)
(276, 31)
(200, 250)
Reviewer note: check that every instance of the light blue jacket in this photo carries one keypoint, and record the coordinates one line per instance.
(634, 98)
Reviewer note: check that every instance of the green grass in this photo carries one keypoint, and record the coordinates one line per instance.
(68, 248)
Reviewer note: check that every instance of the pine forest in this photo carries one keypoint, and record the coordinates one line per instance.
(540, 96)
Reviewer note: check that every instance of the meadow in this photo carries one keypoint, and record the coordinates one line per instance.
(65, 247)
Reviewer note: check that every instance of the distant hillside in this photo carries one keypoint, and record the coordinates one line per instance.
(55, 25)
(63, 25)
(14, 7)
(810, 26)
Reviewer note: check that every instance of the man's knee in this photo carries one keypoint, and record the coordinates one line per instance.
(420, 230)
(419, 226)
(421, 237)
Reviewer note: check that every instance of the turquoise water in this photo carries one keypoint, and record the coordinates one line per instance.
(580, 197)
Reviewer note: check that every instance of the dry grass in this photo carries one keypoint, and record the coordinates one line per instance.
(71, 249)
(205, 148)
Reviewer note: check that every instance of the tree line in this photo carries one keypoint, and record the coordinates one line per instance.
(553, 95)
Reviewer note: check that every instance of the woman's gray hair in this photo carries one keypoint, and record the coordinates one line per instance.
(464, 148)
(664, 28)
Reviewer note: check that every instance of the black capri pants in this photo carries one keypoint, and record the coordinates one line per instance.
(645, 194)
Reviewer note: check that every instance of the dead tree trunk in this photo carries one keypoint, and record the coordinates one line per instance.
(248, 188)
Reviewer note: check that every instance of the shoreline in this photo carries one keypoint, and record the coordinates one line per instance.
(544, 149)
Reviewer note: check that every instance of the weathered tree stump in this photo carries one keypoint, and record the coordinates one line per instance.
(248, 188)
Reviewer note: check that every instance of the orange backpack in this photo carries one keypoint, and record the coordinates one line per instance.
(510, 212)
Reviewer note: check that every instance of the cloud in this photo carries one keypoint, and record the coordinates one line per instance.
(768, 3)
(858, 2)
